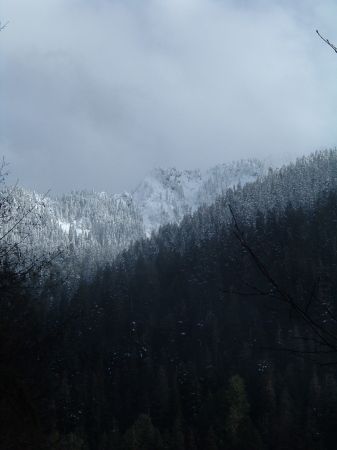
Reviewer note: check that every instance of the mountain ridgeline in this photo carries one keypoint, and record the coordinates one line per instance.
(92, 228)
(166, 334)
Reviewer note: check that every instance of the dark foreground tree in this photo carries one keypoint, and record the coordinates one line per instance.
(24, 333)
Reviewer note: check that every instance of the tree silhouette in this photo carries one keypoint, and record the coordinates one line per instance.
(25, 329)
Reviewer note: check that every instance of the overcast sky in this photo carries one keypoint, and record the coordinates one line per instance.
(94, 93)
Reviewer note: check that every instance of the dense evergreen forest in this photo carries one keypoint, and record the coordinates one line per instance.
(172, 345)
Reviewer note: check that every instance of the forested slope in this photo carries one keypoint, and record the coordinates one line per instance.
(174, 362)
(92, 228)
(158, 350)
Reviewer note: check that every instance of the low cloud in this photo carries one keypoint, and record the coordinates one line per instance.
(98, 92)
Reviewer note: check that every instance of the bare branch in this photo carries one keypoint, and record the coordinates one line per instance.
(3, 26)
(326, 40)
(320, 334)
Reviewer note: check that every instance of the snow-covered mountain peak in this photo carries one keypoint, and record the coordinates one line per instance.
(94, 227)
(166, 195)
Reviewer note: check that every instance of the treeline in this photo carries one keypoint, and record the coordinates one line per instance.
(167, 355)
(93, 228)
(169, 347)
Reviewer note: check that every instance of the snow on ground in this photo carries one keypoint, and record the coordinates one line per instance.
(166, 195)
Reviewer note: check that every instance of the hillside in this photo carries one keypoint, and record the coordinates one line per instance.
(167, 195)
(176, 340)
(91, 228)
(187, 362)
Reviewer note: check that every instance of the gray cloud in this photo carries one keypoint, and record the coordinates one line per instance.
(95, 93)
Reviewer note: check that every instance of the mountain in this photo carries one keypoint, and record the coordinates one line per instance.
(159, 347)
(170, 346)
(167, 195)
(92, 228)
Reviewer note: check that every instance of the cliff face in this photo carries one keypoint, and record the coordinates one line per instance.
(167, 195)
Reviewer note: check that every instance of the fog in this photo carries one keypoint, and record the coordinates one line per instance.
(94, 93)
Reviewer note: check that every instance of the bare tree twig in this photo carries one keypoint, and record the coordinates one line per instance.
(3, 26)
(326, 40)
(320, 334)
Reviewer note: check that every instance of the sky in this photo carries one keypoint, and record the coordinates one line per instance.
(95, 93)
